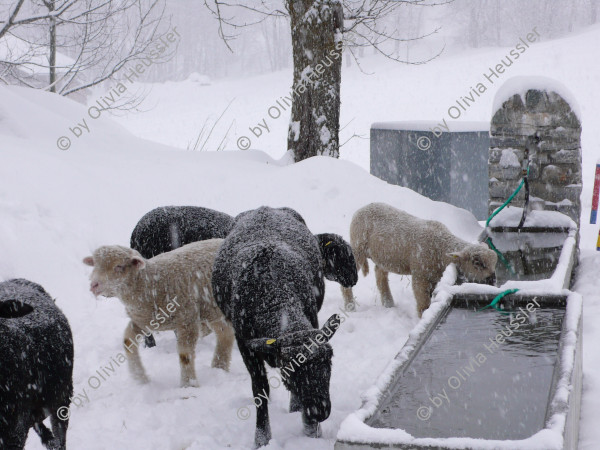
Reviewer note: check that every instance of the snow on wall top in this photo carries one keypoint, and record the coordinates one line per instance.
(520, 85)
(427, 125)
(511, 216)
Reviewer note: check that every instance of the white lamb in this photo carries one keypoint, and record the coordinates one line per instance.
(400, 243)
(171, 291)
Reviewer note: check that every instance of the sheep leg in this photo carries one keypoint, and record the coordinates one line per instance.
(348, 296)
(149, 341)
(422, 289)
(311, 428)
(295, 403)
(260, 390)
(45, 435)
(55, 439)
(225, 338)
(59, 429)
(13, 441)
(187, 337)
(13, 433)
(205, 330)
(133, 354)
(381, 278)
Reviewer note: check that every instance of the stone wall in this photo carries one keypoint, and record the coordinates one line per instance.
(542, 124)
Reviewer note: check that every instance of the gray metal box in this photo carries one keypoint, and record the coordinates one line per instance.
(448, 166)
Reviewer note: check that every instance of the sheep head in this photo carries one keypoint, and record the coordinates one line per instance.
(339, 264)
(304, 358)
(114, 267)
(476, 263)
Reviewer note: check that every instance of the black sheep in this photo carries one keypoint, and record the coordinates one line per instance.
(169, 227)
(339, 264)
(36, 365)
(268, 281)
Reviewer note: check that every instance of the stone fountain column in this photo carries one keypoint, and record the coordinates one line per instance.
(533, 117)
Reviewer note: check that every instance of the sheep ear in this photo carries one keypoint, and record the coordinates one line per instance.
(332, 248)
(327, 249)
(477, 261)
(455, 255)
(138, 262)
(88, 261)
(263, 345)
(325, 239)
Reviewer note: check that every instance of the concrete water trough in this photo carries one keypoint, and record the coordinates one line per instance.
(471, 377)
(532, 252)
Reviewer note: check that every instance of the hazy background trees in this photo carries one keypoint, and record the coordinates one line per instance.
(74, 46)
(461, 24)
(267, 46)
(68, 46)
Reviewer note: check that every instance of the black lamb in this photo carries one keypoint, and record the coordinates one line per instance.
(169, 227)
(36, 366)
(339, 264)
(268, 281)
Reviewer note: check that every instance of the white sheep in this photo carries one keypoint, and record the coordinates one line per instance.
(400, 243)
(171, 291)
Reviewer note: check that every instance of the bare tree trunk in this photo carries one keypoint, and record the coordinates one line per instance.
(473, 27)
(52, 47)
(572, 17)
(318, 28)
(498, 22)
(317, 50)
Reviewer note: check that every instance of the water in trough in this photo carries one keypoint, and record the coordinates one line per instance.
(464, 383)
(531, 255)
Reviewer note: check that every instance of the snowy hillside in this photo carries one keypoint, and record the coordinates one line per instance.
(57, 206)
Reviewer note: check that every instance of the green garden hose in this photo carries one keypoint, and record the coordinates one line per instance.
(499, 297)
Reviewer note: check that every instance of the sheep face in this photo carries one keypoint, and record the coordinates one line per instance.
(310, 382)
(305, 361)
(114, 267)
(339, 264)
(477, 263)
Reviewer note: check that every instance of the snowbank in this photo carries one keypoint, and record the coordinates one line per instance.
(59, 205)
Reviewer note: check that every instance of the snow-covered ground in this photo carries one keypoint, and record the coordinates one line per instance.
(57, 206)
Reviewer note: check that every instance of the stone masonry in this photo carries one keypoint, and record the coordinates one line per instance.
(543, 126)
